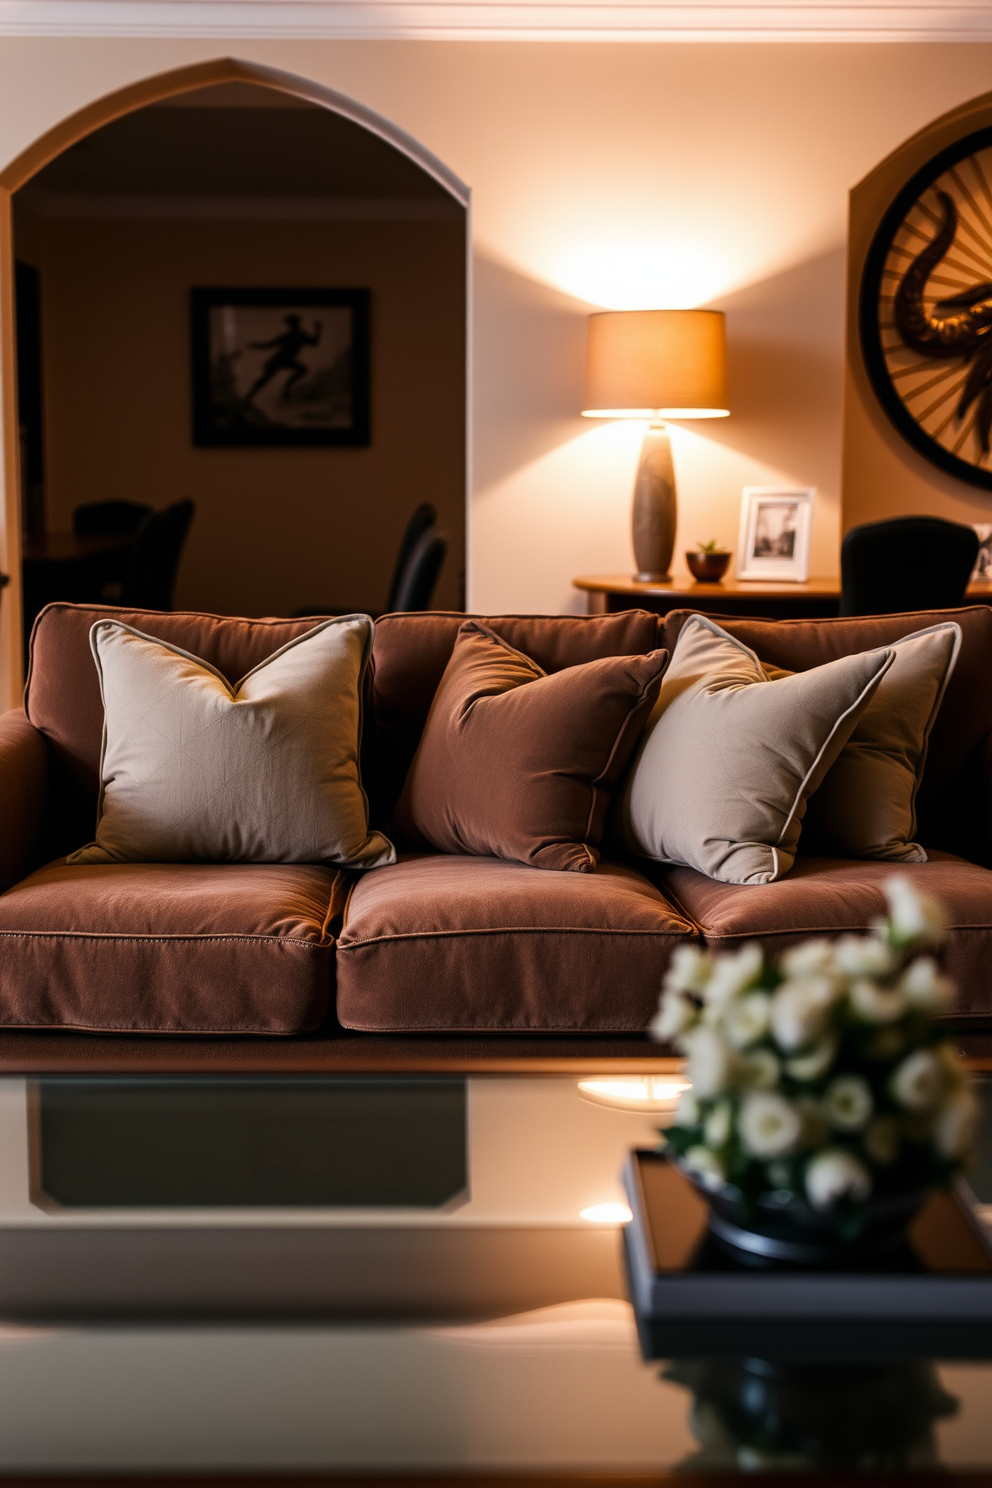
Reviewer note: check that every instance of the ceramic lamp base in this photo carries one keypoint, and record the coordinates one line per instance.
(654, 510)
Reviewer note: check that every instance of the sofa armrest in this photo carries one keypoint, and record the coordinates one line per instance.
(23, 796)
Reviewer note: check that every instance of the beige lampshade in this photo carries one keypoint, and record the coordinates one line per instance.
(656, 364)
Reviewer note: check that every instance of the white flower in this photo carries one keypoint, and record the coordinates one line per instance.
(835, 1175)
(746, 1019)
(809, 1067)
(863, 956)
(925, 988)
(881, 1140)
(919, 1082)
(688, 970)
(758, 1069)
(706, 1166)
(710, 1063)
(875, 1004)
(812, 958)
(675, 1014)
(687, 1111)
(718, 1125)
(955, 1125)
(916, 919)
(769, 1125)
(733, 974)
(848, 1102)
(799, 1011)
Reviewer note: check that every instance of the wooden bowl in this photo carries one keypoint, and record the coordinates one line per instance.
(708, 568)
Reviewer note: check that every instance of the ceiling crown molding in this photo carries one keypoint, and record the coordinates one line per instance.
(505, 20)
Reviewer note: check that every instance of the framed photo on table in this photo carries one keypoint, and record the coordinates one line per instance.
(775, 532)
(280, 366)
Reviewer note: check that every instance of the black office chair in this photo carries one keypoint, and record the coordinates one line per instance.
(153, 558)
(905, 564)
(416, 584)
(109, 518)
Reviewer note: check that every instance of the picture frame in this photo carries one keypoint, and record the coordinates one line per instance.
(982, 572)
(280, 367)
(775, 532)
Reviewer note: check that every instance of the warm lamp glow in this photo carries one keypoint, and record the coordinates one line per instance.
(656, 364)
(607, 1214)
(659, 364)
(655, 413)
(635, 1092)
(627, 275)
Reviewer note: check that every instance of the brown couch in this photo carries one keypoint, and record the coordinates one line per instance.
(435, 943)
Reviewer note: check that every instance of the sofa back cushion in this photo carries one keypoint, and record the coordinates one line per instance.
(63, 701)
(411, 652)
(952, 813)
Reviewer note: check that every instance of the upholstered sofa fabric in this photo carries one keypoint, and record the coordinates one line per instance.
(831, 896)
(728, 758)
(169, 948)
(62, 696)
(412, 651)
(459, 943)
(865, 806)
(432, 943)
(24, 787)
(194, 769)
(953, 806)
(517, 764)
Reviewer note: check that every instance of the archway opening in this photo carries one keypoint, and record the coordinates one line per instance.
(166, 258)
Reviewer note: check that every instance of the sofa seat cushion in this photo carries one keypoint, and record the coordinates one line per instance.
(833, 896)
(169, 948)
(459, 943)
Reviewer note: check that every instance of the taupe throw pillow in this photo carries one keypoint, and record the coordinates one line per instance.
(517, 764)
(727, 759)
(194, 769)
(866, 804)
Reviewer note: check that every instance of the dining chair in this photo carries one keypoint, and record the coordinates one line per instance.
(109, 518)
(153, 558)
(412, 571)
(906, 563)
(416, 584)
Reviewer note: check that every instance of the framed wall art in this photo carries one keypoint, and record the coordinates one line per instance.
(280, 366)
(775, 532)
(925, 309)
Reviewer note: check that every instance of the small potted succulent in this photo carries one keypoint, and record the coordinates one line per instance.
(825, 1101)
(708, 563)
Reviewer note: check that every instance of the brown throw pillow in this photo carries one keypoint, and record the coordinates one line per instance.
(518, 764)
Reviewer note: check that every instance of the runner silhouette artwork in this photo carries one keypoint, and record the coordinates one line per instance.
(278, 373)
(286, 358)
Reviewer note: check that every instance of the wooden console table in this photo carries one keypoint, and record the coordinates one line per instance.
(816, 598)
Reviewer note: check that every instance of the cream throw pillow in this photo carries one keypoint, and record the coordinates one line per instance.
(194, 769)
(866, 805)
(728, 758)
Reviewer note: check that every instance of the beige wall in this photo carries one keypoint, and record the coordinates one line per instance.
(275, 529)
(610, 175)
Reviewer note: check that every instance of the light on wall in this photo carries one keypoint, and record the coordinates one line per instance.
(656, 365)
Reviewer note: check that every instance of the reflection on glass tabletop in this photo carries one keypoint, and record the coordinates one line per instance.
(392, 1275)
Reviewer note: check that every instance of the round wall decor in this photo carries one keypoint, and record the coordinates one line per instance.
(926, 310)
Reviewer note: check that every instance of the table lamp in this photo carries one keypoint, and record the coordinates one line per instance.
(656, 364)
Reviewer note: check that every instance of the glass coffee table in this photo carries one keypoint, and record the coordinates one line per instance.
(389, 1275)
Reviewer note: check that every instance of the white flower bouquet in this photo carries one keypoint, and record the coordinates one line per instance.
(822, 1079)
